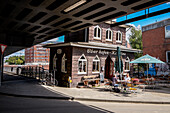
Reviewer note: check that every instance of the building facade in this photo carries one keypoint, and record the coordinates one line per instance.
(156, 40)
(88, 52)
(37, 55)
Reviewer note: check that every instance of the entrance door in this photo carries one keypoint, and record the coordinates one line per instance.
(109, 68)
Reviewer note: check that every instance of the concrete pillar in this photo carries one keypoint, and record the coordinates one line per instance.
(1, 67)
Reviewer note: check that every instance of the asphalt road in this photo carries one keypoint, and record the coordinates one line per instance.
(9, 104)
(128, 107)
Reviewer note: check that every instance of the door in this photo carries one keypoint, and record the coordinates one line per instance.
(109, 68)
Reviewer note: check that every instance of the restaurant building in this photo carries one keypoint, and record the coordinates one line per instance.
(88, 52)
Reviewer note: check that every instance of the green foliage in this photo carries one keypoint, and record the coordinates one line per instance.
(136, 41)
(17, 60)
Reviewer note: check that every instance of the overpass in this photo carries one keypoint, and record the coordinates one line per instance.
(24, 23)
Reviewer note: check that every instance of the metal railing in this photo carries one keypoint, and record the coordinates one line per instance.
(36, 72)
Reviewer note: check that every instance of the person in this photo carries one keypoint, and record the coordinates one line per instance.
(127, 80)
(114, 80)
(118, 75)
(114, 83)
(101, 76)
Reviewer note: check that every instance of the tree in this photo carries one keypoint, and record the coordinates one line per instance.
(135, 39)
(17, 60)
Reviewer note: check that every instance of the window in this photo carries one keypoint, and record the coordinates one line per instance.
(168, 56)
(109, 35)
(82, 65)
(127, 64)
(97, 32)
(55, 62)
(96, 65)
(119, 37)
(167, 31)
(64, 64)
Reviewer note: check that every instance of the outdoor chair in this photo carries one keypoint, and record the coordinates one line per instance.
(131, 88)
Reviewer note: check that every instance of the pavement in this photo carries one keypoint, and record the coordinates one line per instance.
(20, 86)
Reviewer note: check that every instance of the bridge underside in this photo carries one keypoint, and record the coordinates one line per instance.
(24, 23)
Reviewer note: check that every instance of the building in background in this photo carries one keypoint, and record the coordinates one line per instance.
(156, 40)
(37, 55)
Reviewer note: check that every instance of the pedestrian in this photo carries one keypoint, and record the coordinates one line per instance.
(101, 76)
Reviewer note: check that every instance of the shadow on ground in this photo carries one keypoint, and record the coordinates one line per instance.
(21, 94)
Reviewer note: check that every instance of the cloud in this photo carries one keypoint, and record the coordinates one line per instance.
(55, 39)
(128, 30)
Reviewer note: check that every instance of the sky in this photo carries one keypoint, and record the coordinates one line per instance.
(137, 24)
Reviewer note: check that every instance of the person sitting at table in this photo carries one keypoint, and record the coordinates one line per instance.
(127, 79)
(114, 84)
(114, 80)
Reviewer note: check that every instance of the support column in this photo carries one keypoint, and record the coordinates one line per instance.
(1, 68)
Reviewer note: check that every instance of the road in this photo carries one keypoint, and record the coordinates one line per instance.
(15, 84)
(10, 104)
(128, 107)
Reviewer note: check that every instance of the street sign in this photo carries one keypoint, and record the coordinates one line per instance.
(3, 47)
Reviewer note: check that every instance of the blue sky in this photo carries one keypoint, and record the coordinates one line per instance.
(148, 20)
(137, 23)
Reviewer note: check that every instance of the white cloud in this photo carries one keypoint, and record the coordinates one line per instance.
(19, 53)
(128, 30)
(55, 39)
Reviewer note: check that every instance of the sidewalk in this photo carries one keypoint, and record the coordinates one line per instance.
(31, 88)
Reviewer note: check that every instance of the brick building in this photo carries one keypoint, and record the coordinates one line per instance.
(156, 40)
(37, 55)
(87, 52)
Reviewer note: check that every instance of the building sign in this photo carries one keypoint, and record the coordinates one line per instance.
(103, 52)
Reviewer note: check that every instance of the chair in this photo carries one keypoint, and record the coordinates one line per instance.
(131, 88)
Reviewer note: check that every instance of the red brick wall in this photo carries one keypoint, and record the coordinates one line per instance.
(104, 27)
(155, 43)
(77, 52)
(31, 55)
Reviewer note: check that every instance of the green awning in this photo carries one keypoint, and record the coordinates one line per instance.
(146, 59)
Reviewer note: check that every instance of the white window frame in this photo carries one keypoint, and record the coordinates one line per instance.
(128, 61)
(167, 56)
(109, 30)
(63, 64)
(119, 41)
(97, 37)
(83, 60)
(94, 60)
(165, 31)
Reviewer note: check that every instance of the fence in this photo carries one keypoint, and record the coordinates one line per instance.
(36, 72)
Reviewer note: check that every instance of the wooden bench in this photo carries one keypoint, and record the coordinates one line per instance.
(92, 78)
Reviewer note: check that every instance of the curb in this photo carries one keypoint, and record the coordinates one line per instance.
(82, 99)
(120, 101)
(40, 97)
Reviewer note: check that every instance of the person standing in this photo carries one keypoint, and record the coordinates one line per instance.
(101, 76)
